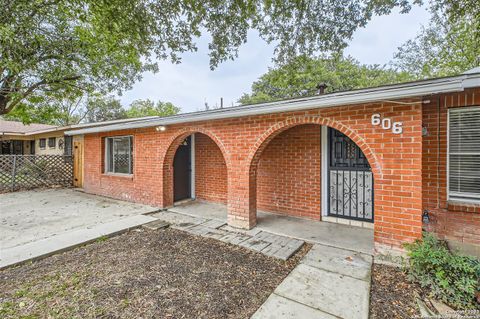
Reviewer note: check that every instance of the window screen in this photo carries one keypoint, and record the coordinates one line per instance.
(464, 154)
(118, 155)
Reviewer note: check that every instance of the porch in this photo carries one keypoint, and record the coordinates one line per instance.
(348, 237)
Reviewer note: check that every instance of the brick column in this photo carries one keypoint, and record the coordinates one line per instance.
(242, 212)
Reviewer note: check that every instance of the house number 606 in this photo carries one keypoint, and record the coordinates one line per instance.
(387, 124)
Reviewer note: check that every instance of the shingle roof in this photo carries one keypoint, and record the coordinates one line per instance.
(20, 128)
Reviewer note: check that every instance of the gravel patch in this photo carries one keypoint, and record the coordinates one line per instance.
(164, 273)
(392, 295)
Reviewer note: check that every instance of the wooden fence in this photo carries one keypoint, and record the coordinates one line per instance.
(31, 171)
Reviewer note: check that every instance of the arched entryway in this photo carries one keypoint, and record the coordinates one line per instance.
(313, 168)
(195, 168)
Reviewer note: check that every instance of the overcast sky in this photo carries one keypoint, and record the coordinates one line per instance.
(190, 84)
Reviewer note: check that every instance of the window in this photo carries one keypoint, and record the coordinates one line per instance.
(464, 154)
(42, 143)
(68, 145)
(118, 155)
(52, 142)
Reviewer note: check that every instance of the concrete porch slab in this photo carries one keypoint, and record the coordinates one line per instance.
(329, 234)
(202, 209)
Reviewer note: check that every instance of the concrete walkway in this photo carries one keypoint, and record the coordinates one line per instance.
(68, 240)
(33, 215)
(328, 283)
(331, 281)
(269, 244)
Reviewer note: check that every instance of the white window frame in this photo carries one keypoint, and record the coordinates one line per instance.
(454, 196)
(131, 147)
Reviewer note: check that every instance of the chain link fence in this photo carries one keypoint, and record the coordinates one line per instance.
(32, 171)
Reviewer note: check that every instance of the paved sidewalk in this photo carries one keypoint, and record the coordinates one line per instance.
(68, 240)
(328, 283)
(269, 244)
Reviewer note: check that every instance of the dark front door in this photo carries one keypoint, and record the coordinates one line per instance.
(182, 171)
(350, 179)
(32, 147)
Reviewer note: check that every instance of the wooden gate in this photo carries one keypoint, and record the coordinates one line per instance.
(78, 164)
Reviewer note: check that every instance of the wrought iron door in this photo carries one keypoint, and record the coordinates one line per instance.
(350, 179)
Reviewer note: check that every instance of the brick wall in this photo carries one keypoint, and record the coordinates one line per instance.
(395, 161)
(288, 179)
(454, 221)
(210, 170)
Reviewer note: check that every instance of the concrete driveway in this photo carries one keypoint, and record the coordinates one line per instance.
(31, 216)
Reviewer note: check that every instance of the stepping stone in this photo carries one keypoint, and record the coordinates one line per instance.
(234, 238)
(286, 252)
(157, 224)
(214, 223)
(341, 261)
(279, 307)
(198, 230)
(215, 233)
(254, 244)
(339, 295)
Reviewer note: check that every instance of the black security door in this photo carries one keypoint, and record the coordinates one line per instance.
(350, 179)
(182, 171)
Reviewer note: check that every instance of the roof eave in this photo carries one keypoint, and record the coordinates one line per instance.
(399, 91)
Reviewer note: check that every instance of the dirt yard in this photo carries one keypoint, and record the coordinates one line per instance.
(144, 274)
(392, 295)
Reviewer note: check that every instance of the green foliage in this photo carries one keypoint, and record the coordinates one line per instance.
(449, 45)
(63, 48)
(451, 277)
(27, 113)
(301, 76)
(101, 108)
(141, 108)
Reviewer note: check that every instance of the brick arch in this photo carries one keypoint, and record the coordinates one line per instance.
(279, 127)
(167, 157)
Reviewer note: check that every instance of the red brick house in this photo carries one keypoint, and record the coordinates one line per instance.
(378, 157)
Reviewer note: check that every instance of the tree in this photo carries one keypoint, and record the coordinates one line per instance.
(449, 45)
(64, 48)
(100, 109)
(27, 113)
(301, 76)
(140, 108)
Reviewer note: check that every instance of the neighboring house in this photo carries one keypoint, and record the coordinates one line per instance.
(21, 139)
(17, 138)
(379, 157)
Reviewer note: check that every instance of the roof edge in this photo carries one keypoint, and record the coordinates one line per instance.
(389, 92)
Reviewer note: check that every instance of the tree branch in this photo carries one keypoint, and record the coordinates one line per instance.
(35, 86)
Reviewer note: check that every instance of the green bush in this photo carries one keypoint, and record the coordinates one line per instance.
(451, 277)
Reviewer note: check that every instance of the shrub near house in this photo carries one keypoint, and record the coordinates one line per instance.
(451, 277)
